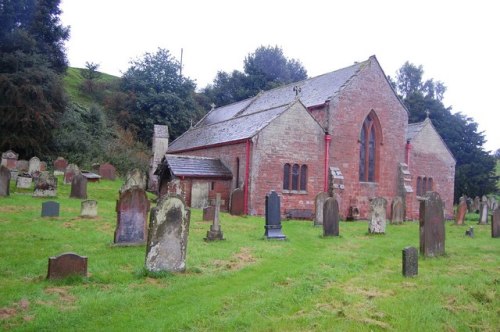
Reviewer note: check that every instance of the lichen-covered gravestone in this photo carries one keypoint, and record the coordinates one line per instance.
(132, 211)
(331, 217)
(79, 187)
(377, 220)
(34, 165)
(45, 186)
(88, 209)
(168, 235)
(461, 211)
(4, 181)
(319, 202)
(483, 211)
(134, 178)
(432, 230)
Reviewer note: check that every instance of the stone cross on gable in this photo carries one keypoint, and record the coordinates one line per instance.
(427, 112)
(297, 90)
(212, 105)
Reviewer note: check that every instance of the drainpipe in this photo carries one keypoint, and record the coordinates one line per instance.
(247, 175)
(328, 138)
(407, 156)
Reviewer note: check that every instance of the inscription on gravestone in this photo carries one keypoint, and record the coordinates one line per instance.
(331, 217)
(410, 262)
(432, 230)
(50, 209)
(168, 235)
(132, 210)
(66, 265)
(273, 217)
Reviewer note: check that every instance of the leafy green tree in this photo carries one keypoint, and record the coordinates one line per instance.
(474, 172)
(159, 95)
(32, 58)
(264, 69)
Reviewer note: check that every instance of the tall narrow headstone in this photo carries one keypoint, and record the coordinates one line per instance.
(134, 178)
(461, 211)
(215, 232)
(79, 187)
(495, 223)
(88, 209)
(432, 230)
(168, 235)
(107, 171)
(4, 181)
(237, 202)
(483, 211)
(410, 262)
(331, 217)
(50, 209)
(397, 210)
(132, 211)
(319, 202)
(377, 220)
(476, 204)
(273, 217)
(34, 165)
(66, 265)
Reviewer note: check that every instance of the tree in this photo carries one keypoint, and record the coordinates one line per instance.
(32, 57)
(264, 69)
(474, 172)
(159, 95)
(90, 75)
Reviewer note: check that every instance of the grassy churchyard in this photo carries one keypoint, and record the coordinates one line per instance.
(245, 283)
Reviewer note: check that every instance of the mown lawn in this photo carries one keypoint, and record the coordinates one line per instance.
(245, 283)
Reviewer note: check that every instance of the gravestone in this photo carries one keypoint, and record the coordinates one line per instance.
(376, 224)
(34, 165)
(432, 230)
(79, 187)
(50, 209)
(476, 204)
(495, 223)
(70, 171)
(397, 210)
(483, 211)
(13, 175)
(45, 186)
(237, 202)
(215, 232)
(9, 159)
(88, 209)
(132, 212)
(24, 181)
(461, 211)
(319, 202)
(492, 203)
(134, 178)
(273, 217)
(60, 165)
(66, 265)
(107, 171)
(410, 262)
(43, 166)
(331, 217)
(208, 213)
(470, 204)
(4, 181)
(168, 235)
(23, 166)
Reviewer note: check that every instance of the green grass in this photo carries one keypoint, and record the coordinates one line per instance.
(245, 283)
(73, 80)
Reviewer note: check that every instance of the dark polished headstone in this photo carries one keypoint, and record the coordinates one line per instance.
(132, 211)
(331, 217)
(50, 209)
(79, 187)
(273, 217)
(168, 235)
(237, 207)
(495, 223)
(66, 265)
(410, 262)
(432, 230)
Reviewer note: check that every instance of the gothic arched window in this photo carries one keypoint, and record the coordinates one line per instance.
(368, 139)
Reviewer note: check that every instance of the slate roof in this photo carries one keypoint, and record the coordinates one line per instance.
(199, 167)
(414, 129)
(245, 118)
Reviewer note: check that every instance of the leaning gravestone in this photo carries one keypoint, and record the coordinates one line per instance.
(432, 230)
(107, 171)
(215, 232)
(45, 186)
(397, 210)
(273, 217)
(134, 178)
(70, 171)
(410, 262)
(88, 209)
(132, 212)
(319, 202)
(237, 202)
(79, 187)
(495, 223)
(34, 165)
(66, 265)
(168, 235)
(50, 209)
(377, 220)
(483, 211)
(331, 217)
(461, 211)
(4, 181)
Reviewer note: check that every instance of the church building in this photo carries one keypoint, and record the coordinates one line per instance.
(345, 132)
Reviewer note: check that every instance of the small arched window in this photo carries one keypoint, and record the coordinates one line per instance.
(286, 176)
(294, 177)
(419, 186)
(303, 177)
(368, 139)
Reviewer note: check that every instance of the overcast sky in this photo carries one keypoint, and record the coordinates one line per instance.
(455, 42)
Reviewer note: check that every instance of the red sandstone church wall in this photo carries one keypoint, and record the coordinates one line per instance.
(368, 91)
